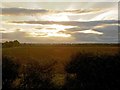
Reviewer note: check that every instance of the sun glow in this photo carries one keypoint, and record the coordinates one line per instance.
(56, 17)
(49, 33)
(53, 30)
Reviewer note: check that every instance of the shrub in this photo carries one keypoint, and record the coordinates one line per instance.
(93, 72)
(9, 72)
(33, 76)
(26, 76)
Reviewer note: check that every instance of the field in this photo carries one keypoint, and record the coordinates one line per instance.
(61, 54)
(57, 56)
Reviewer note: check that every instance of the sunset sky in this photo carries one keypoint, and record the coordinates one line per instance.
(60, 22)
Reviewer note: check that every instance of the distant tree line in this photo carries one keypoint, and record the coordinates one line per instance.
(14, 43)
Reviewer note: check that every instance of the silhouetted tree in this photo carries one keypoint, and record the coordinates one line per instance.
(14, 43)
(94, 72)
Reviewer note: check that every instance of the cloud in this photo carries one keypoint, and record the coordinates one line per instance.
(61, 22)
(4, 30)
(30, 11)
(74, 23)
(49, 30)
(16, 35)
(90, 31)
(109, 31)
(111, 14)
(22, 11)
(105, 31)
(91, 14)
(106, 34)
(24, 38)
(81, 11)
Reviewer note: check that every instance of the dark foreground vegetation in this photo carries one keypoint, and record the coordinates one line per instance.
(85, 71)
(93, 72)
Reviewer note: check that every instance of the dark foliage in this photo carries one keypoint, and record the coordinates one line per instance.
(14, 43)
(85, 71)
(30, 76)
(9, 72)
(93, 72)
(33, 76)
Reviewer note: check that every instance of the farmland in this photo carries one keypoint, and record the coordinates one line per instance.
(55, 62)
(61, 54)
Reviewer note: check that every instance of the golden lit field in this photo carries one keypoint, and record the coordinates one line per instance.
(60, 54)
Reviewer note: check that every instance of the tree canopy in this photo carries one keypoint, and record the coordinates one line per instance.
(14, 43)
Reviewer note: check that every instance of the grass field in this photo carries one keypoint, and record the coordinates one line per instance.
(57, 56)
(62, 54)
